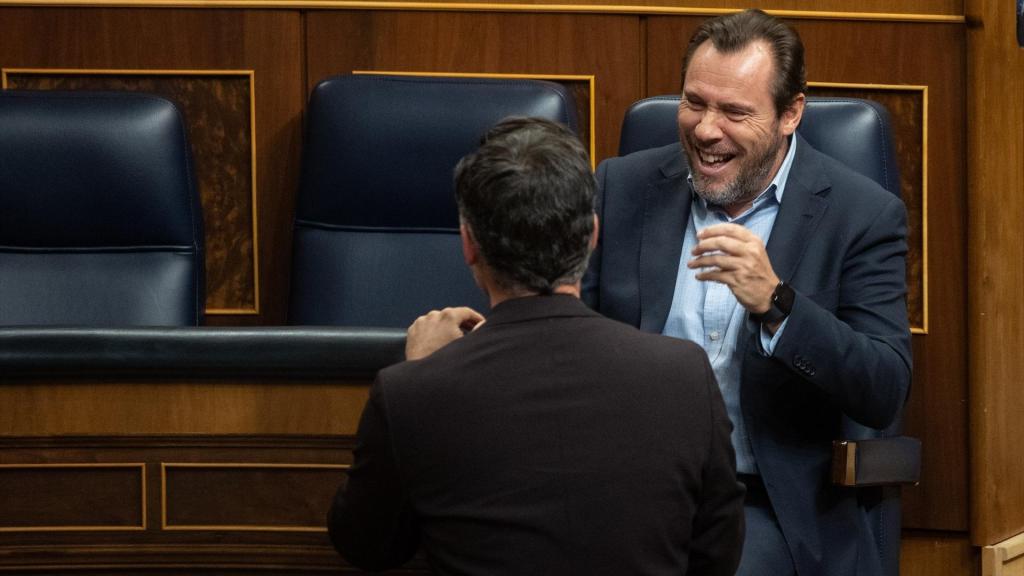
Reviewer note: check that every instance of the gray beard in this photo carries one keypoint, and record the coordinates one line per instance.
(747, 184)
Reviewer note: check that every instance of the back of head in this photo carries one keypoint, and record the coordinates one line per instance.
(527, 195)
(734, 32)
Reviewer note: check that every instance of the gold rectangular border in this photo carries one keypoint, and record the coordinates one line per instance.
(164, 466)
(923, 89)
(589, 79)
(142, 469)
(251, 74)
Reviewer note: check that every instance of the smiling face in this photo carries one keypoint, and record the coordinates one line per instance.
(733, 137)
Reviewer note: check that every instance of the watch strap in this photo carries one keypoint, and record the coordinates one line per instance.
(782, 304)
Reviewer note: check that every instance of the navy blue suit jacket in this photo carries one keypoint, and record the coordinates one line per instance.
(840, 241)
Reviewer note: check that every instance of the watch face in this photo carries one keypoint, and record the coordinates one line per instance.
(784, 297)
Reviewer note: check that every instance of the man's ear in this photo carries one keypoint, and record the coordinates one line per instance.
(792, 114)
(470, 252)
(597, 232)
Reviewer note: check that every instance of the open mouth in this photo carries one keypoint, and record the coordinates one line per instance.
(711, 160)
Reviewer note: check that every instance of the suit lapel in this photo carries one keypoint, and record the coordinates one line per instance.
(803, 205)
(800, 212)
(666, 212)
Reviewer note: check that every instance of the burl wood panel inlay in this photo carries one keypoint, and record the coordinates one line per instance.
(907, 115)
(217, 107)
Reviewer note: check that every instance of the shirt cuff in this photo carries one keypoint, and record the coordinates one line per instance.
(769, 341)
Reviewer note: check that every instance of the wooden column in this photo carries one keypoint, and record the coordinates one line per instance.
(995, 188)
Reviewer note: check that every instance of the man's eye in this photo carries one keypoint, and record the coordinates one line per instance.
(735, 115)
(694, 105)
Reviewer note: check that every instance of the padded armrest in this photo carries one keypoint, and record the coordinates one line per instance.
(876, 462)
(293, 352)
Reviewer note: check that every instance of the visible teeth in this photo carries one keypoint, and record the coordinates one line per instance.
(709, 158)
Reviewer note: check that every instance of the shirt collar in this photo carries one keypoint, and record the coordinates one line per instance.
(782, 176)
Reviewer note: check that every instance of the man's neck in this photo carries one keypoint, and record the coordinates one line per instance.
(498, 295)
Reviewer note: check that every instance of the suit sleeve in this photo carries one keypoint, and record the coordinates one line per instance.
(718, 526)
(371, 522)
(859, 353)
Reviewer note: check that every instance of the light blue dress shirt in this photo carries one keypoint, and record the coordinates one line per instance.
(708, 313)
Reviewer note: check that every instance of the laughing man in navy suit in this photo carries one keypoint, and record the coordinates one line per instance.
(786, 266)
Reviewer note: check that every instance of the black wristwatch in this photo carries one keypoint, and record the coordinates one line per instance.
(782, 305)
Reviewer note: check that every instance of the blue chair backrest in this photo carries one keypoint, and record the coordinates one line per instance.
(100, 222)
(376, 229)
(854, 131)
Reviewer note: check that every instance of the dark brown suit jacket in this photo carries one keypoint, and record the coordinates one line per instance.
(550, 441)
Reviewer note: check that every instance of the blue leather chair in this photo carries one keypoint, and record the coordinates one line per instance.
(376, 229)
(856, 132)
(100, 223)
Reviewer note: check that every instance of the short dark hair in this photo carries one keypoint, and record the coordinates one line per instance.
(734, 32)
(527, 195)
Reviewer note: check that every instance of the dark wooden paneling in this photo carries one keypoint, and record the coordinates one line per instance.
(60, 497)
(196, 40)
(807, 8)
(900, 54)
(606, 47)
(631, 56)
(82, 468)
(996, 275)
(876, 9)
(249, 496)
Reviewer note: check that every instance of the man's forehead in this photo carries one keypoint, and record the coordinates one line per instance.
(752, 55)
(749, 67)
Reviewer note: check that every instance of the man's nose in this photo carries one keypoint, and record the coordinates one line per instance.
(709, 128)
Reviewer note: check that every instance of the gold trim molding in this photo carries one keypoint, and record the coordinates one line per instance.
(84, 528)
(923, 90)
(250, 74)
(164, 466)
(486, 7)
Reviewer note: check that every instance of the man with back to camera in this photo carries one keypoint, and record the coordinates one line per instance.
(800, 332)
(548, 439)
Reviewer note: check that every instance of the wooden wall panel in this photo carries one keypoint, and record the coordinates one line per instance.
(72, 497)
(996, 274)
(248, 496)
(195, 40)
(631, 55)
(132, 407)
(606, 47)
(909, 7)
(893, 54)
(938, 554)
(268, 486)
(833, 9)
